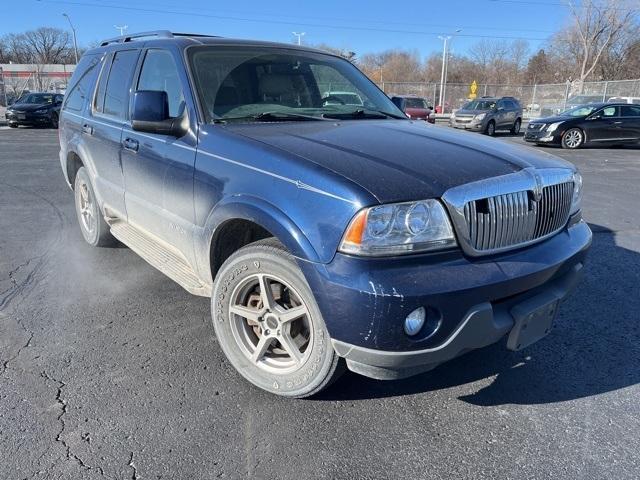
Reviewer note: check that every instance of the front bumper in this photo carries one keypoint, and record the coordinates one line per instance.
(27, 118)
(473, 126)
(542, 136)
(364, 301)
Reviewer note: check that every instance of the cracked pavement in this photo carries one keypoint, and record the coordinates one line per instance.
(110, 370)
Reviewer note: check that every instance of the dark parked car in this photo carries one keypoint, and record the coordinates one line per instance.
(488, 115)
(324, 234)
(595, 124)
(416, 108)
(35, 109)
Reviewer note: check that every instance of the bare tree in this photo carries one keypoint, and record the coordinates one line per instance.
(41, 46)
(596, 26)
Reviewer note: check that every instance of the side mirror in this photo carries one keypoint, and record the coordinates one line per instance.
(151, 115)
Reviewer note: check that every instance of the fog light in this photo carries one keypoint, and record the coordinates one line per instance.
(414, 321)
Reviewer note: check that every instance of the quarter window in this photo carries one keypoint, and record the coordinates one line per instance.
(82, 86)
(159, 73)
(630, 111)
(116, 98)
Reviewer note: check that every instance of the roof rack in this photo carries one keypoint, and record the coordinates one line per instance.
(154, 33)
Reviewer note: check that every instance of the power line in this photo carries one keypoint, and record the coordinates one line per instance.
(283, 22)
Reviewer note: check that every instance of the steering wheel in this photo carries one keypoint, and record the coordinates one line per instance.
(333, 98)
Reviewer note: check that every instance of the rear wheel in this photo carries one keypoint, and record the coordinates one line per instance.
(515, 130)
(572, 138)
(491, 128)
(54, 120)
(268, 323)
(94, 229)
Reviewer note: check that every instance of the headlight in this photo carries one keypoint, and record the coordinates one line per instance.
(553, 127)
(577, 192)
(480, 116)
(41, 111)
(399, 228)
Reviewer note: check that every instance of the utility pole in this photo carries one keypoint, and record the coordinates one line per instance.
(122, 28)
(445, 61)
(299, 35)
(73, 30)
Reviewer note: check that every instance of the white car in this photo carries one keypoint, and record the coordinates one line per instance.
(635, 100)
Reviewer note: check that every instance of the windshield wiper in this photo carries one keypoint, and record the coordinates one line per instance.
(362, 113)
(266, 116)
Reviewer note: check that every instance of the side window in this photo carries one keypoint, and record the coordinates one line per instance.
(630, 111)
(98, 101)
(82, 82)
(502, 104)
(609, 112)
(159, 73)
(116, 97)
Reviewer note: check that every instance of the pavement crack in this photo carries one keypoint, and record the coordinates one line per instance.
(70, 455)
(134, 474)
(5, 364)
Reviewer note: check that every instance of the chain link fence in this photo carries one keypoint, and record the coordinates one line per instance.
(536, 100)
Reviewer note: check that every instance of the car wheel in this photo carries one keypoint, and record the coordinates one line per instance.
(572, 138)
(491, 128)
(13, 125)
(94, 229)
(268, 323)
(54, 120)
(515, 130)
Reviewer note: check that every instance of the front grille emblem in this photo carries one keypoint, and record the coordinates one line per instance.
(537, 191)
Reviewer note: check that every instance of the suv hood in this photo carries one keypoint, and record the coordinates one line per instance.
(397, 160)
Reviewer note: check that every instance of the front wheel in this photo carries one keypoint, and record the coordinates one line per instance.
(572, 138)
(268, 323)
(491, 128)
(54, 120)
(515, 130)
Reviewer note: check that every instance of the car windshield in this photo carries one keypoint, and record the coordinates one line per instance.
(415, 103)
(37, 98)
(581, 111)
(480, 105)
(249, 83)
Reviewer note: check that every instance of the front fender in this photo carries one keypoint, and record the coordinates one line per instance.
(260, 212)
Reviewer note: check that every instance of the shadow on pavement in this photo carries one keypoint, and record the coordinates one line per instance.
(594, 347)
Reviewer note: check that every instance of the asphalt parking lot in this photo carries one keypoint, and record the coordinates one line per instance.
(109, 369)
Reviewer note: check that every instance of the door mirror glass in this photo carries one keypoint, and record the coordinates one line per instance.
(151, 114)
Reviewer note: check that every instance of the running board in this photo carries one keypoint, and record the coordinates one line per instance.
(160, 257)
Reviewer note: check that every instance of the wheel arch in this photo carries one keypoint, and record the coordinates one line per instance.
(74, 163)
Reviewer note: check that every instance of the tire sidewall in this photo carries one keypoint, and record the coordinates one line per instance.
(491, 128)
(83, 177)
(564, 145)
(262, 259)
(516, 127)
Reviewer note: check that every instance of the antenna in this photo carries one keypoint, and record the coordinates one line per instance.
(122, 28)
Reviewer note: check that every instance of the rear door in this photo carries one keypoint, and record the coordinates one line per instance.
(158, 169)
(630, 118)
(103, 128)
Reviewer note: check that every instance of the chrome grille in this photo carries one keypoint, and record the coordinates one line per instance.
(516, 218)
(536, 126)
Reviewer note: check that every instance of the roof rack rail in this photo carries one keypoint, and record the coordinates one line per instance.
(154, 33)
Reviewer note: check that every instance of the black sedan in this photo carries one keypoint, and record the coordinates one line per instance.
(35, 109)
(595, 124)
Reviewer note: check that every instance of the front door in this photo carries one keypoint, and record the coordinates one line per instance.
(158, 169)
(603, 125)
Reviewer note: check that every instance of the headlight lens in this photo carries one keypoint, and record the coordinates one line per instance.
(553, 127)
(480, 116)
(399, 228)
(577, 192)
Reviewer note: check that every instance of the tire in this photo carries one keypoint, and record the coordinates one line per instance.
(94, 229)
(491, 128)
(13, 125)
(54, 120)
(260, 345)
(515, 130)
(573, 138)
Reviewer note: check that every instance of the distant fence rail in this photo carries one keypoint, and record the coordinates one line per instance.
(536, 100)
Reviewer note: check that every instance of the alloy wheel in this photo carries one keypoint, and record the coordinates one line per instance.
(87, 214)
(572, 139)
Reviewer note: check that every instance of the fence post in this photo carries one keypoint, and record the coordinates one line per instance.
(604, 94)
(4, 87)
(533, 99)
(485, 90)
(435, 87)
(566, 94)
(383, 89)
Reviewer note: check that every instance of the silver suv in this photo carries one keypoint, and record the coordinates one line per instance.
(488, 114)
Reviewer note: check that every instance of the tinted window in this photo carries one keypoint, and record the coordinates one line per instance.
(159, 73)
(98, 102)
(480, 105)
(416, 103)
(116, 98)
(82, 82)
(630, 111)
(609, 112)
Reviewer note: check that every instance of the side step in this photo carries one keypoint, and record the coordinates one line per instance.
(171, 264)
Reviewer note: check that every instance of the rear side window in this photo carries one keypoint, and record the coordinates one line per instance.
(116, 97)
(159, 73)
(82, 82)
(630, 111)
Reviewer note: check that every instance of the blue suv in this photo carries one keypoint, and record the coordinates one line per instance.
(326, 234)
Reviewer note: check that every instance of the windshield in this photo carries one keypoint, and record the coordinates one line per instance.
(236, 83)
(415, 103)
(480, 105)
(37, 98)
(582, 111)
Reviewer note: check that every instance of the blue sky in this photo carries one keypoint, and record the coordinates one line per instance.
(360, 26)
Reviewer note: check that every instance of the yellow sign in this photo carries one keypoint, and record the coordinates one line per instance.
(473, 90)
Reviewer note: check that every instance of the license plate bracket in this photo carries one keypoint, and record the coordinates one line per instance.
(533, 320)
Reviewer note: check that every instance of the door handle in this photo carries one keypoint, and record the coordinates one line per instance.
(131, 144)
(88, 129)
